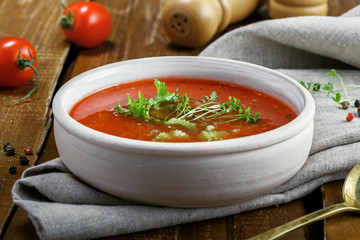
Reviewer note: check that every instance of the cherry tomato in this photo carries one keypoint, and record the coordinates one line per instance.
(13, 49)
(87, 24)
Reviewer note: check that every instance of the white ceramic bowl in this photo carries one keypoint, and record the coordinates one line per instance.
(200, 174)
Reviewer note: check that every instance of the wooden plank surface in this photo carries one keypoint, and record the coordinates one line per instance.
(342, 226)
(26, 123)
(136, 33)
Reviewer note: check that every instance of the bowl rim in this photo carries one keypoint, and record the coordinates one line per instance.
(301, 122)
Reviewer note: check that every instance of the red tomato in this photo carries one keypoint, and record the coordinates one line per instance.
(87, 24)
(10, 73)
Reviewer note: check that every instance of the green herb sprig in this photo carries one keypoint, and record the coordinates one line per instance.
(331, 89)
(179, 105)
(211, 109)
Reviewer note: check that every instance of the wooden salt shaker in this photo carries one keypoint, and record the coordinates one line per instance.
(192, 23)
(294, 8)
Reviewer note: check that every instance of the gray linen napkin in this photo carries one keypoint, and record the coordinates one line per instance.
(62, 207)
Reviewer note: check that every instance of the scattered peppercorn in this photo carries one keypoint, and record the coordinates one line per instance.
(5, 145)
(12, 170)
(24, 160)
(345, 104)
(28, 151)
(350, 117)
(357, 103)
(316, 87)
(9, 149)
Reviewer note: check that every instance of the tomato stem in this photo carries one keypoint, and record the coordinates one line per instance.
(67, 20)
(22, 64)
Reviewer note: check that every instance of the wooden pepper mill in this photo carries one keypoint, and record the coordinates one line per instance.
(295, 8)
(192, 23)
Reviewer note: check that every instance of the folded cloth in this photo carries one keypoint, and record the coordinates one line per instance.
(62, 207)
(299, 42)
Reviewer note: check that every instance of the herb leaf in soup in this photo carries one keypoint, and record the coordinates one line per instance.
(163, 96)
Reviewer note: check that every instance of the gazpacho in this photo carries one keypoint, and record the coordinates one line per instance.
(177, 109)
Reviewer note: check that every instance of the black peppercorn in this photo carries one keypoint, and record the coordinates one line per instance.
(9, 149)
(316, 87)
(345, 104)
(12, 170)
(24, 160)
(5, 145)
(357, 103)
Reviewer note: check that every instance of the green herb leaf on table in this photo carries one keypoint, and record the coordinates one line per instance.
(337, 90)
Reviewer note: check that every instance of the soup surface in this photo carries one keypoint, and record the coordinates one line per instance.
(203, 118)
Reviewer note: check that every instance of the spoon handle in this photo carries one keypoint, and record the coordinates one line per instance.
(304, 220)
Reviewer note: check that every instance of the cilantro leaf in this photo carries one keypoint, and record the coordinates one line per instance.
(163, 96)
(140, 108)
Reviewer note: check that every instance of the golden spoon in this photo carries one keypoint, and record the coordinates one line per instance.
(351, 196)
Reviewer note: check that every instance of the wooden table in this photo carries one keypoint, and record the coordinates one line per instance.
(136, 33)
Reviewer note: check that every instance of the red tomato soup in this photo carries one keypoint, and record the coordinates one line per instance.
(97, 111)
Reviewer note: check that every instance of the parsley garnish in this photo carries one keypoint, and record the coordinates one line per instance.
(163, 96)
(180, 111)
